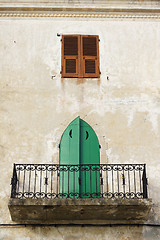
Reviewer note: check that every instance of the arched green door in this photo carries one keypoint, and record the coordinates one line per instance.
(79, 146)
(89, 154)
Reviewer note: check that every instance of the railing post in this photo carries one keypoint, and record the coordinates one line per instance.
(14, 182)
(144, 180)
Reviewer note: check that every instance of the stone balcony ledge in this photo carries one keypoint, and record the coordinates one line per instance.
(79, 211)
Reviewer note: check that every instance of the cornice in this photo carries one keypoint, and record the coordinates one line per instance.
(140, 9)
(75, 15)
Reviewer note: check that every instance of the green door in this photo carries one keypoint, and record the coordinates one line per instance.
(89, 154)
(79, 146)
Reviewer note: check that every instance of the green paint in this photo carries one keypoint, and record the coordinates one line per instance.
(79, 145)
(89, 154)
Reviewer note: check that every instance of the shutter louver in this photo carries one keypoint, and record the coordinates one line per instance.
(89, 46)
(70, 46)
(70, 66)
(90, 56)
(89, 66)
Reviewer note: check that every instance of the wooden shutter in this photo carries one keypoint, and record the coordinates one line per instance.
(70, 55)
(90, 56)
(80, 56)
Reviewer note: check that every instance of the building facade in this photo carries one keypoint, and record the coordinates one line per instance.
(120, 102)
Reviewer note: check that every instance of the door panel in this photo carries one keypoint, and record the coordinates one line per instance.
(89, 154)
(69, 155)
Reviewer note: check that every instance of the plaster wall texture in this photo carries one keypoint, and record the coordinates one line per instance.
(79, 233)
(37, 105)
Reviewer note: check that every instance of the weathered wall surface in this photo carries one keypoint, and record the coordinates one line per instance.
(78, 233)
(37, 105)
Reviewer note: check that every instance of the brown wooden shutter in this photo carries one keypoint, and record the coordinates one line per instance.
(90, 56)
(70, 55)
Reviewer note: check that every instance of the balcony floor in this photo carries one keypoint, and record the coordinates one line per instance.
(79, 211)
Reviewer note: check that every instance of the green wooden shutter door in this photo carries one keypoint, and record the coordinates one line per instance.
(79, 145)
(69, 155)
(89, 154)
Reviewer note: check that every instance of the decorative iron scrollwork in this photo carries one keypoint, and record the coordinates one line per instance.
(42, 181)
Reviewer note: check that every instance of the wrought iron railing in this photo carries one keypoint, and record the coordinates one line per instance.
(79, 181)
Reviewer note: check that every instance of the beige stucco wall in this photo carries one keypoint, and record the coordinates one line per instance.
(79, 233)
(37, 105)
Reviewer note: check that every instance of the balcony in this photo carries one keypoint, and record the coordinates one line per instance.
(79, 194)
